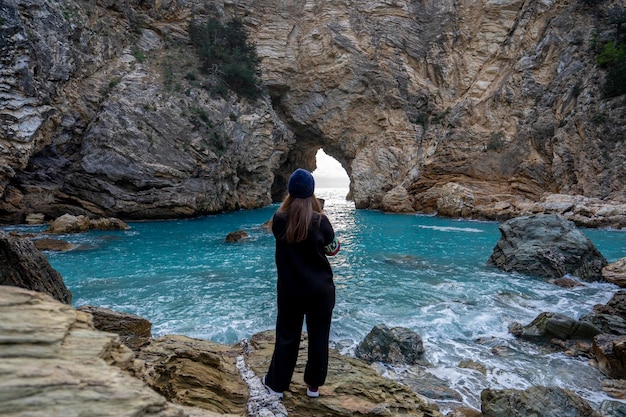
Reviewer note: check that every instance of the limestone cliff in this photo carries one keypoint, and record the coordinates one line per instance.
(486, 109)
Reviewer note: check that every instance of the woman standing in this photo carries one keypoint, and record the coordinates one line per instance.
(305, 287)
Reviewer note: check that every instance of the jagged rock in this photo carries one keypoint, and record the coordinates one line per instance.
(237, 236)
(610, 354)
(352, 387)
(134, 331)
(393, 345)
(534, 401)
(615, 306)
(22, 265)
(553, 325)
(196, 373)
(52, 244)
(615, 273)
(465, 412)
(616, 388)
(548, 246)
(613, 408)
(54, 363)
(455, 201)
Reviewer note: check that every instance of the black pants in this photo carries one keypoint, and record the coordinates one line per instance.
(288, 331)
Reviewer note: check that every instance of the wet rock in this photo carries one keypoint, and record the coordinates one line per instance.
(615, 273)
(134, 331)
(391, 345)
(237, 236)
(615, 306)
(547, 246)
(613, 409)
(554, 325)
(610, 354)
(22, 265)
(534, 401)
(616, 388)
(52, 244)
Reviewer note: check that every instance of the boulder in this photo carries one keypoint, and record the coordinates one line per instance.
(455, 201)
(534, 401)
(554, 325)
(397, 200)
(68, 223)
(610, 353)
(615, 273)
(391, 345)
(548, 246)
(610, 318)
(134, 331)
(22, 265)
(613, 408)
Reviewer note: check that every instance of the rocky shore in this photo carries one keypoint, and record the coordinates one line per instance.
(61, 361)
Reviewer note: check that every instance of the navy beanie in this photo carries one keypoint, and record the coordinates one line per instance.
(301, 184)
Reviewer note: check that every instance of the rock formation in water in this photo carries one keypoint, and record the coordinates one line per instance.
(22, 265)
(484, 109)
(548, 246)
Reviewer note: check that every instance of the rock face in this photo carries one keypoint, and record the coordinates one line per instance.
(393, 345)
(615, 273)
(54, 363)
(22, 265)
(535, 401)
(547, 246)
(104, 113)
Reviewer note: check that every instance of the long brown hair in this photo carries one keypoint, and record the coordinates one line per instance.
(299, 216)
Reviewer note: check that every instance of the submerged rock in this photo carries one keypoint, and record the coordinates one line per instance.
(393, 345)
(237, 236)
(547, 246)
(22, 265)
(534, 401)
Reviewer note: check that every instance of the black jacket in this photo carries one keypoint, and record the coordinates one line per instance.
(304, 273)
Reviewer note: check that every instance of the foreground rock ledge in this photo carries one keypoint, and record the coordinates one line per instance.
(54, 363)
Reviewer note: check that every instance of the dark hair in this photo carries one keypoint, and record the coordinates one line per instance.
(299, 216)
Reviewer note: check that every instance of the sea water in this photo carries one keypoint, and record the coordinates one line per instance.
(426, 273)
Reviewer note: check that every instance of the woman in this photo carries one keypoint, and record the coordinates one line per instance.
(305, 287)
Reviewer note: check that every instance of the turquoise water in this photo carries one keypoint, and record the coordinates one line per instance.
(421, 272)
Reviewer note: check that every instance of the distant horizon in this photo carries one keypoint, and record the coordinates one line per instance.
(329, 172)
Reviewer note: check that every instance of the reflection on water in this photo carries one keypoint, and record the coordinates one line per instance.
(420, 272)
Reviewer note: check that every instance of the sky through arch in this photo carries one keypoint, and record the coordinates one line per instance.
(329, 172)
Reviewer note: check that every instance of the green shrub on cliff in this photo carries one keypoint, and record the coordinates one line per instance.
(227, 55)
